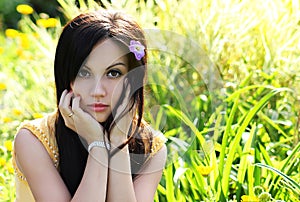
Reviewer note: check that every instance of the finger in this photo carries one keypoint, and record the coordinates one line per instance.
(65, 109)
(64, 103)
(62, 97)
(67, 100)
(76, 106)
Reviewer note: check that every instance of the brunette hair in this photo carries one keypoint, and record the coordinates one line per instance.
(77, 40)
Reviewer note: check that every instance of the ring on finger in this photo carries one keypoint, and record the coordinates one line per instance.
(71, 114)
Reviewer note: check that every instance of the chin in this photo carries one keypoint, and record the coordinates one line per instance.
(100, 119)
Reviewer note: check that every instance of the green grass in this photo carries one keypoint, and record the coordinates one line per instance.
(223, 86)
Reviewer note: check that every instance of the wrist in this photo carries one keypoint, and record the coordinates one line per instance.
(117, 140)
(100, 144)
(99, 138)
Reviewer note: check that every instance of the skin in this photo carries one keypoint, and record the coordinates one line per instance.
(98, 81)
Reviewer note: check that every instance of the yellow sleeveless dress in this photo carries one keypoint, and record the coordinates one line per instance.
(44, 130)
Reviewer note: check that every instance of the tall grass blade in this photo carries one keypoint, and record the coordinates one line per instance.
(227, 132)
(285, 177)
(181, 116)
(293, 155)
(234, 145)
(274, 125)
(169, 183)
(244, 161)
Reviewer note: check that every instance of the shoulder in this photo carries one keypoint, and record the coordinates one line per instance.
(37, 132)
(25, 140)
(33, 130)
(44, 130)
(158, 141)
(27, 149)
(36, 137)
(158, 149)
(33, 164)
(151, 139)
(159, 158)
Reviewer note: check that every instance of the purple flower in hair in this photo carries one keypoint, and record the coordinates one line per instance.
(137, 48)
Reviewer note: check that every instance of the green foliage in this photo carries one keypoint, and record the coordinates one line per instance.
(223, 86)
(8, 15)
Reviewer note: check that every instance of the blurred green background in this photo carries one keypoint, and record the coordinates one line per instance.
(10, 18)
(223, 86)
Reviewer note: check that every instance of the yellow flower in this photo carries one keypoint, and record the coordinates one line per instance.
(2, 161)
(41, 22)
(204, 170)
(50, 22)
(8, 145)
(16, 112)
(24, 9)
(247, 198)
(37, 115)
(7, 119)
(10, 168)
(20, 52)
(11, 33)
(2, 86)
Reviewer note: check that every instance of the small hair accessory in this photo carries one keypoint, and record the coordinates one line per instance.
(137, 48)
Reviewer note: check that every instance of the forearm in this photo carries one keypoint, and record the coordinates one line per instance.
(120, 185)
(94, 181)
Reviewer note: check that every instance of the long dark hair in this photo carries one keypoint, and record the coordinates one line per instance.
(77, 40)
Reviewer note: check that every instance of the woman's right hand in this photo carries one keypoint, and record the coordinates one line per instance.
(78, 120)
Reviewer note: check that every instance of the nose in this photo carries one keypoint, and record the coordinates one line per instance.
(99, 90)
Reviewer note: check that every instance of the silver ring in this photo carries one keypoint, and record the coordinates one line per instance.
(71, 114)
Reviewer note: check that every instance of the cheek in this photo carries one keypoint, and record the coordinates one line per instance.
(116, 92)
(115, 95)
(74, 90)
(79, 92)
(77, 87)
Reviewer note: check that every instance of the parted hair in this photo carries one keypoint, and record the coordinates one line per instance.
(77, 40)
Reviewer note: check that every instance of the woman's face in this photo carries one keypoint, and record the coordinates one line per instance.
(100, 79)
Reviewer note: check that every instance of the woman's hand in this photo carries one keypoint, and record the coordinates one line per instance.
(66, 110)
(78, 120)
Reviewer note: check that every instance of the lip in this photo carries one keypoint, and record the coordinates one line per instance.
(98, 107)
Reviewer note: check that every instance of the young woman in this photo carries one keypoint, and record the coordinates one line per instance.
(96, 146)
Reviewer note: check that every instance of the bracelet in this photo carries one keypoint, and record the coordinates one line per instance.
(98, 144)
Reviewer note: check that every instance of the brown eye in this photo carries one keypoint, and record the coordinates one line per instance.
(114, 74)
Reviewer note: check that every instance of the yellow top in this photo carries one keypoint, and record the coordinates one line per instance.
(44, 130)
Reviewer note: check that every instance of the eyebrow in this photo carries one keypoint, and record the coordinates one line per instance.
(109, 67)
